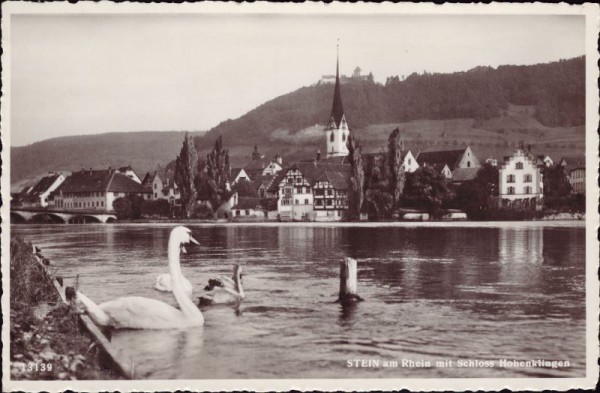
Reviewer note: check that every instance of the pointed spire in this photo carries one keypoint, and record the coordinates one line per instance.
(337, 110)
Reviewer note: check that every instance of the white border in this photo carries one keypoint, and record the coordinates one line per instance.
(591, 12)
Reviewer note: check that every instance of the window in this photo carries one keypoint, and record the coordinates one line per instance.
(343, 137)
(296, 202)
(527, 190)
(519, 165)
(527, 178)
(247, 212)
(510, 179)
(306, 201)
(331, 137)
(298, 190)
(468, 164)
(237, 213)
(409, 161)
(511, 190)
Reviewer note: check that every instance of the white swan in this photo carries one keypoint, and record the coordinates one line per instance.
(135, 312)
(224, 290)
(163, 283)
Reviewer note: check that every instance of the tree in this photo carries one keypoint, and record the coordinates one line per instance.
(396, 167)
(129, 207)
(427, 189)
(186, 170)
(217, 174)
(357, 177)
(245, 188)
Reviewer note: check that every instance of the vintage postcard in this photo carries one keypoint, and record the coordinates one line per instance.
(275, 197)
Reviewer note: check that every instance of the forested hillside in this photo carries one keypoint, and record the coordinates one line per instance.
(555, 90)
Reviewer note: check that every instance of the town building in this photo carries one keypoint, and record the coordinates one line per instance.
(520, 182)
(312, 191)
(96, 190)
(130, 173)
(238, 174)
(248, 208)
(258, 166)
(161, 184)
(39, 195)
(462, 164)
(577, 179)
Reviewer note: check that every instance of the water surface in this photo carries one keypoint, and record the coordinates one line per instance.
(435, 292)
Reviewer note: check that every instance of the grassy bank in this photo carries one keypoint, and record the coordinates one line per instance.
(45, 339)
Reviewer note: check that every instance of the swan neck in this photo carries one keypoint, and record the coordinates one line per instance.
(188, 308)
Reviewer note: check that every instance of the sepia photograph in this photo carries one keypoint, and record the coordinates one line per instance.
(284, 196)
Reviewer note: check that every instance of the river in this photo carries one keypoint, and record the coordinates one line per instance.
(447, 291)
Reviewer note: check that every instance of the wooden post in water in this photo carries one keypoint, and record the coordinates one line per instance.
(348, 281)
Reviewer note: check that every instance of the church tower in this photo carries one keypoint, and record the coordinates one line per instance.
(337, 130)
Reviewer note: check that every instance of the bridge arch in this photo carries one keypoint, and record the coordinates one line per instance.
(48, 218)
(16, 218)
(84, 219)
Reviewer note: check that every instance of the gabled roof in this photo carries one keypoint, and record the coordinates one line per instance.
(464, 174)
(337, 174)
(43, 184)
(100, 181)
(235, 172)
(448, 157)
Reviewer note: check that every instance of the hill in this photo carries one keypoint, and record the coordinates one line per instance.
(509, 99)
(491, 109)
(143, 150)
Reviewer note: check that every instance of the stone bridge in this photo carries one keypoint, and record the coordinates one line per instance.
(24, 214)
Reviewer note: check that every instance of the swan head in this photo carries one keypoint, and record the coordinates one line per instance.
(182, 235)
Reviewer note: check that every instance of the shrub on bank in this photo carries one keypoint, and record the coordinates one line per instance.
(50, 346)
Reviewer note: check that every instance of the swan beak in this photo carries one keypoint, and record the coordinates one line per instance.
(183, 250)
(192, 240)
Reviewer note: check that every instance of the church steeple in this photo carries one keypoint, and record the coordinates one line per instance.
(337, 109)
(337, 130)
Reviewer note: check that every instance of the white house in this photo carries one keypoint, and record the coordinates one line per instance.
(162, 185)
(520, 182)
(37, 196)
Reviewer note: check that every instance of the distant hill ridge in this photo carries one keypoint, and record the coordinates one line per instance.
(493, 110)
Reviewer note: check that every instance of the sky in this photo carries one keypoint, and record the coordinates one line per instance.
(88, 74)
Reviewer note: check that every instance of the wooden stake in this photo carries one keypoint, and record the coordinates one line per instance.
(348, 281)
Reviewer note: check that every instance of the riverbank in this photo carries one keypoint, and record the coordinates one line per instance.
(45, 339)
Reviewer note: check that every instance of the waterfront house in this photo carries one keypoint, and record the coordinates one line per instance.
(312, 191)
(39, 194)
(520, 182)
(91, 189)
(162, 185)
(462, 164)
